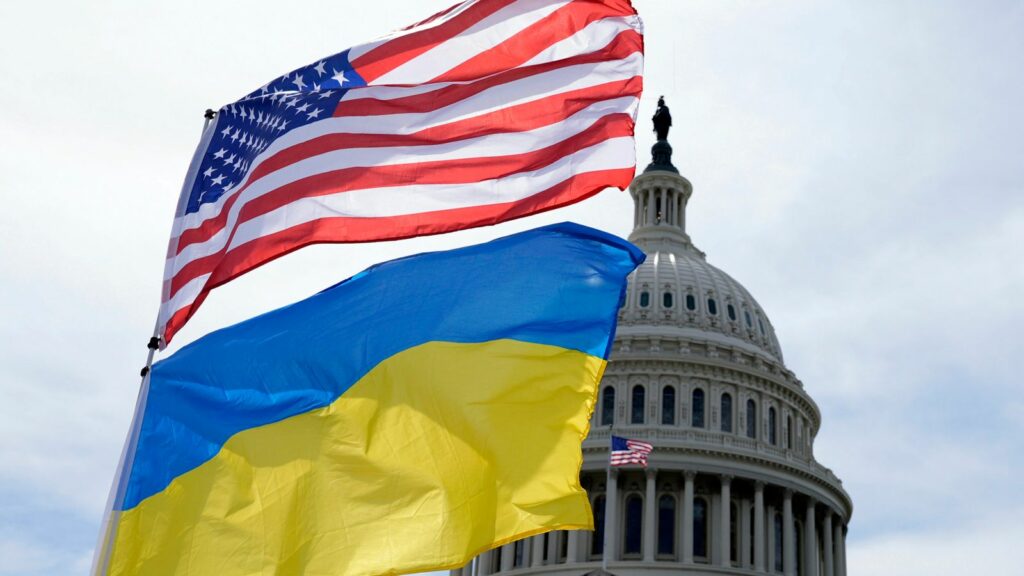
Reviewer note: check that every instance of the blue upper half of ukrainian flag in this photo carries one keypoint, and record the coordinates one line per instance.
(404, 420)
(559, 285)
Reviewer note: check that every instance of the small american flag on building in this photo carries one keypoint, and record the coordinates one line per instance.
(626, 451)
(488, 111)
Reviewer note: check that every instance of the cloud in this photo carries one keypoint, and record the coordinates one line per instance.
(986, 545)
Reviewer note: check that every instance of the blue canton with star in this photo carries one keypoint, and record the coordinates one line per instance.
(246, 128)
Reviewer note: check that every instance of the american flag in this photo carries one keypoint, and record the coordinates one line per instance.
(488, 111)
(626, 451)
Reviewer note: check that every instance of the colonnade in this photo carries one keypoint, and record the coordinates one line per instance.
(660, 206)
(751, 545)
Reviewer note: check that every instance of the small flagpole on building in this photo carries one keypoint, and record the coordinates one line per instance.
(101, 557)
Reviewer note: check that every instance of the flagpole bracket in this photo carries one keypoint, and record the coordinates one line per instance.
(154, 343)
(209, 114)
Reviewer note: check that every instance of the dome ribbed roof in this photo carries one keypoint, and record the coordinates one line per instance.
(701, 298)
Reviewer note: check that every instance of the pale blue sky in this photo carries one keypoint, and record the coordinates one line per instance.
(857, 165)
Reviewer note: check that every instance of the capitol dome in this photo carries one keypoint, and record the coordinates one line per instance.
(676, 289)
(696, 370)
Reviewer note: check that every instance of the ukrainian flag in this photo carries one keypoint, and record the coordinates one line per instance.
(406, 419)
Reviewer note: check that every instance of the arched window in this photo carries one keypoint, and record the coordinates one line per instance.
(760, 324)
(751, 419)
(771, 425)
(700, 527)
(645, 299)
(518, 548)
(668, 405)
(563, 545)
(698, 408)
(691, 302)
(789, 432)
(496, 558)
(712, 307)
(778, 542)
(637, 410)
(634, 524)
(666, 525)
(732, 312)
(746, 316)
(545, 541)
(597, 538)
(734, 533)
(666, 300)
(726, 412)
(608, 406)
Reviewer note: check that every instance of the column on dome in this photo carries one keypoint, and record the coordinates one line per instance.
(537, 550)
(826, 537)
(788, 544)
(649, 195)
(724, 518)
(688, 516)
(841, 549)
(680, 211)
(485, 562)
(650, 511)
(670, 212)
(572, 549)
(508, 554)
(744, 536)
(683, 532)
(810, 540)
(759, 524)
(664, 207)
(611, 515)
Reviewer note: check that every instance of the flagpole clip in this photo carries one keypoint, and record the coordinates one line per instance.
(154, 343)
(209, 114)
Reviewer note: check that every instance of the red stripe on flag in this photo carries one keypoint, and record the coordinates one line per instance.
(532, 40)
(394, 53)
(622, 46)
(330, 230)
(440, 14)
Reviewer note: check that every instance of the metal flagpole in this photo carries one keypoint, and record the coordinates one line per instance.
(101, 557)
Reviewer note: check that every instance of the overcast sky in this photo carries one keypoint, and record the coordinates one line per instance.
(858, 166)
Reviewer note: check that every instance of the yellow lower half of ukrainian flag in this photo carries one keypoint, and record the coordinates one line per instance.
(438, 453)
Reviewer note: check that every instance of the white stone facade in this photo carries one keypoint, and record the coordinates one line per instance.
(696, 370)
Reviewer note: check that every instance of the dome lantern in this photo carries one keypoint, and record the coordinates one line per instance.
(660, 194)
